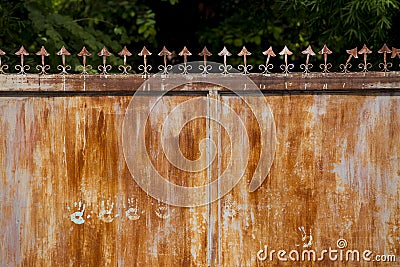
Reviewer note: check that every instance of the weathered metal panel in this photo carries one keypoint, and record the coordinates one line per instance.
(60, 156)
(68, 199)
(336, 175)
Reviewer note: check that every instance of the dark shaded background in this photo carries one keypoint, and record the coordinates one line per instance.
(258, 24)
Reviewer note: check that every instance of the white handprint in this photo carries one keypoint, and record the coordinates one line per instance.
(77, 217)
(106, 211)
(162, 211)
(132, 212)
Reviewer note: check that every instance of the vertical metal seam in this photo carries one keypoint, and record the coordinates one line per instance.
(208, 129)
(219, 173)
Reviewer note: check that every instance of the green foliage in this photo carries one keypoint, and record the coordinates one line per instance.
(76, 23)
(341, 24)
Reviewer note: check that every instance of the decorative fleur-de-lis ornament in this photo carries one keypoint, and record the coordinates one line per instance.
(84, 53)
(2, 67)
(345, 67)
(22, 68)
(104, 69)
(286, 67)
(125, 68)
(326, 66)
(42, 68)
(385, 66)
(63, 68)
(164, 68)
(225, 68)
(145, 68)
(395, 52)
(268, 66)
(244, 68)
(185, 68)
(307, 66)
(365, 66)
(205, 68)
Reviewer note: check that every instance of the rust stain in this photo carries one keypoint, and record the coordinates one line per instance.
(67, 197)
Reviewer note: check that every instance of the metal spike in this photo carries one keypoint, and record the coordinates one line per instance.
(145, 68)
(345, 67)
(164, 68)
(63, 68)
(365, 66)
(125, 68)
(185, 68)
(104, 69)
(269, 53)
(395, 52)
(2, 67)
(326, 66)
(84, 53)
(42, 68)
(307, 66)
(286, 67)
(385, 66)
(245, 68)
(205, 68)
(22, 52)
(225, 68)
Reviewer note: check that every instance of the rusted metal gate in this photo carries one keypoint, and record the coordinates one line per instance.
(68, 198)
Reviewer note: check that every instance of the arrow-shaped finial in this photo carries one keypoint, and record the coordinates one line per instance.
(395, 52)
(84, 53)
(307, 66)
(225, 68)
(352, 53)
(22, 52)
(42, 68)
(145, 68)
(385, 65)
(185, 53)
(164, 68)
(365, 66)
(125, 68)
(104, 69)
(245, 68)
(63, 68)
(286, 67)
(269, 53)
(326, 66)
(2, 67)
(205, 68)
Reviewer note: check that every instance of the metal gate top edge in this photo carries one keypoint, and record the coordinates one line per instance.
(370, 81)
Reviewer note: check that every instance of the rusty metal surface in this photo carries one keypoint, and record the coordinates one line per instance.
(67, 197)
(356, 82)
(62, 156)
(336, 175)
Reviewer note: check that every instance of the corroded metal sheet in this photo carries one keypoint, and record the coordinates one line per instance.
(67, 197)
(336, 175)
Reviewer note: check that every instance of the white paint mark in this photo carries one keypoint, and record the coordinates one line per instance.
(132, 212)
(77, 217)
(162, 211)
(304, 238)
(106, 211)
